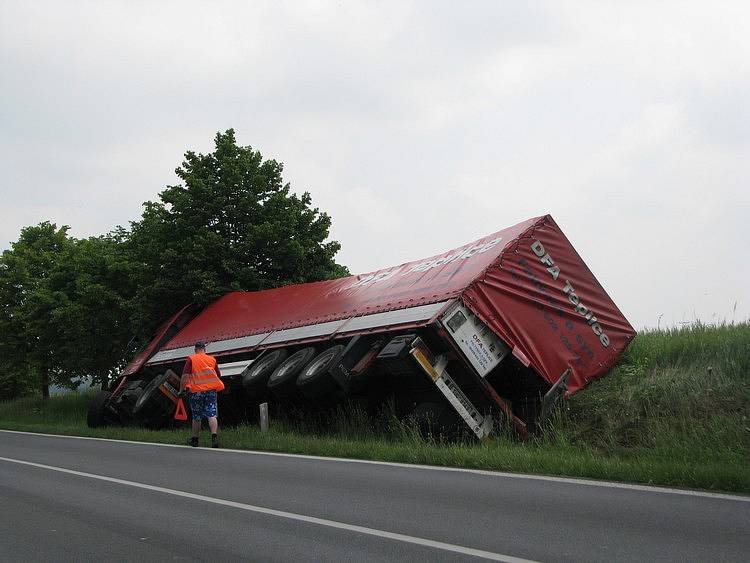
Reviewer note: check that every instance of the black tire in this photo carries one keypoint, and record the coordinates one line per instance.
(97, 414)
(153, 408)
(129, 398)
(315, 379)
(255, 377)
(123, 403)
(283, 381)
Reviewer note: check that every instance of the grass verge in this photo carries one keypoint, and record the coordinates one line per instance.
(674, 412)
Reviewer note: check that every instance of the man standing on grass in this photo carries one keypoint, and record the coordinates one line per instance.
(201, 378)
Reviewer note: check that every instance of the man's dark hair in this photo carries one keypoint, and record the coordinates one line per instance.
(200, 345)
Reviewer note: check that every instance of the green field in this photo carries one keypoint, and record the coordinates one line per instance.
(673, 412)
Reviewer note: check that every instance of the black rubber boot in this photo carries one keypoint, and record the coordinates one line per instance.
(214, 440)
(193, 442)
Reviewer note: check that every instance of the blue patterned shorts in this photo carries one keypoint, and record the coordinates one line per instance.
(203, 405)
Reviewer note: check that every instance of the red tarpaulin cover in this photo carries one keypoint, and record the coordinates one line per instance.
(540, 298)
(507, 278)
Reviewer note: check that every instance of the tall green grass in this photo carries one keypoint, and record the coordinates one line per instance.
(679, 390)
(673, 412)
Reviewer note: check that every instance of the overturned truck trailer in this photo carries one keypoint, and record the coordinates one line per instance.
(489, 334)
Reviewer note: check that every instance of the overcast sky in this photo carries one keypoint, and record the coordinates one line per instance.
(418, 126)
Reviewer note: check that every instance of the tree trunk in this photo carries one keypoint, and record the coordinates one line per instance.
(45, 385)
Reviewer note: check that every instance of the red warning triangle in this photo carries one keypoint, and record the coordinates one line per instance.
(180, 413)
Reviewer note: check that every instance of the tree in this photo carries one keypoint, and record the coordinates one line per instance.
(97, 281)
(72, 308)
(14, 376)
(65, 309)
(232, 224)
(29, 325)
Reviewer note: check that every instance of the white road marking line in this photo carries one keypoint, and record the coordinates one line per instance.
(525, 476)
(288, 515)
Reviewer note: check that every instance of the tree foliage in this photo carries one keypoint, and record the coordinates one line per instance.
(232, 224)
(63, 311)
(29, 324)
(74, 307)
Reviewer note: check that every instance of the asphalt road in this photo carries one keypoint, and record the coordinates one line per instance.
(68, 499)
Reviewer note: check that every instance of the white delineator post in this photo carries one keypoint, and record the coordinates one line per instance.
(264, 417)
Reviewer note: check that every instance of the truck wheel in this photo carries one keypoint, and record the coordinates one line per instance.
(129, 398)
(97, 413)
(157, 403)
(124, 402)
(283, 380)
(255, 377)
(315, 380)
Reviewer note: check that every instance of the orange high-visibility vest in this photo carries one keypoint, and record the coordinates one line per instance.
(203, 376)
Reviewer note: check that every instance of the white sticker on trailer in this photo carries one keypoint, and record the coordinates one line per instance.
(480, 345)
(480, 352)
